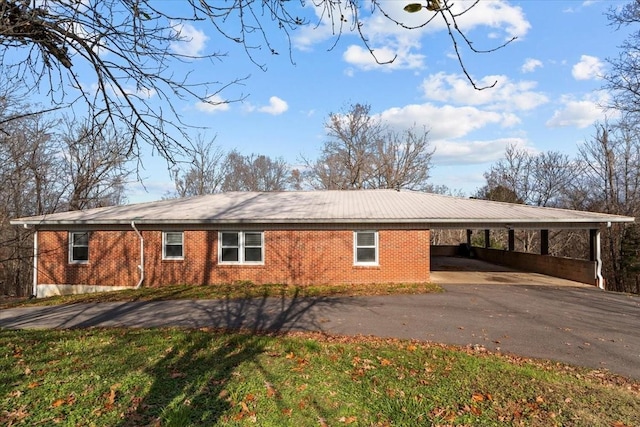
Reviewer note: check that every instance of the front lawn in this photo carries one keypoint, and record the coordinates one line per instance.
(175, 377)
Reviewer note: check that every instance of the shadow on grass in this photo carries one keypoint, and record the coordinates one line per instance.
(188, 386)
(188, 381)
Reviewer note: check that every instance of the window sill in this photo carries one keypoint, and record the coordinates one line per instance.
(239, 264)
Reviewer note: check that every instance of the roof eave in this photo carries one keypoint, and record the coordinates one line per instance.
(435, 222)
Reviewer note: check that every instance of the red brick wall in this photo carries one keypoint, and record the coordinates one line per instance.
(291, 256)
(114, 257)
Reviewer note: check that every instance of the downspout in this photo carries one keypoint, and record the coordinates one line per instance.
(35, 264)
(141, 266)
(598, 256)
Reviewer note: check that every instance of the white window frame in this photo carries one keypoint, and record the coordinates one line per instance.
(72, 260)
(355, 248)
(164, 246)
(241, 248)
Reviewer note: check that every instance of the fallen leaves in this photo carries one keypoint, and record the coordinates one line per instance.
(111, 396)
(9, 417)
(69, 400)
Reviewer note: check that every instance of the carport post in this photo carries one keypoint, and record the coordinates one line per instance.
(544, 242)
(512, 240)
(469, 232)
(487, 238)
(595, 255)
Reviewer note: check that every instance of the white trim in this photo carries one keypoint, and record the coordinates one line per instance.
(241, 247)
(164, 247)
(71, 246)
(49, 290)
(355, 249)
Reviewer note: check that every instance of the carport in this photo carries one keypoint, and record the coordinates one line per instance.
(487, 216)
(458, 270)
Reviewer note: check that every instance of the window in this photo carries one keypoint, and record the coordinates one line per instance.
(173, 245)
(365, 247)
(79, 247)
(238, 247)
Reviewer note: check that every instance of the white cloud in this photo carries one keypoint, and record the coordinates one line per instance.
(530, 65)
(578, 113)
(214, 104)
(192, 41)
(589, 68)
(505, 95)
(497, 14)
(445, 122)
(276, 106)
(472, 152)
(401, 58)
(143, 93)
(389, 40)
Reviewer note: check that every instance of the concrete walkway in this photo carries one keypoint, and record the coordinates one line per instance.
(577, 325)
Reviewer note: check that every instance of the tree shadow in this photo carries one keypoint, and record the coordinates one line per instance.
(188, 382)
(188, 386)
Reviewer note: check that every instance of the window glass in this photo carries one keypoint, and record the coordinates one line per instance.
(80, 239)
(253, 239)
(230, 245)
(241, 247)
(173, 245)
(230, 255)
(79, 247)
(366, 247)
(253, 254)
(366, 254)
(230, 239)
(366, 239)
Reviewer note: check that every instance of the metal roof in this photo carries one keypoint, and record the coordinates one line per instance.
(327, 207)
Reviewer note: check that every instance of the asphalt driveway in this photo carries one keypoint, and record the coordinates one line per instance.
(577, 325)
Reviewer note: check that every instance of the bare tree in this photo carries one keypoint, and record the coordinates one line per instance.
(203, 172)
(623, 81)
(129, 47)
(29, 172)
(256, 173)
(96, 164)
(509, 179)
(611, 179)
(545, 179)
(361, 152)
(403, 160)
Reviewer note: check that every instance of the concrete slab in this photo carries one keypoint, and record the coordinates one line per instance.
(469, 271)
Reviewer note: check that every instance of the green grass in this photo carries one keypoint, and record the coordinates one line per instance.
(175, 377)
(232, 291)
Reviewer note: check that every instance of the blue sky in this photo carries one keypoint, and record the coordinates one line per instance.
(547, 96)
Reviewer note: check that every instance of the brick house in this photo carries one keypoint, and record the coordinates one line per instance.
(369, 236)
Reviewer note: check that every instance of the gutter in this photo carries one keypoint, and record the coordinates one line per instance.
(141, 266)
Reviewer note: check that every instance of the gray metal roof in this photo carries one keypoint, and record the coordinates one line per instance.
(327, 207)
